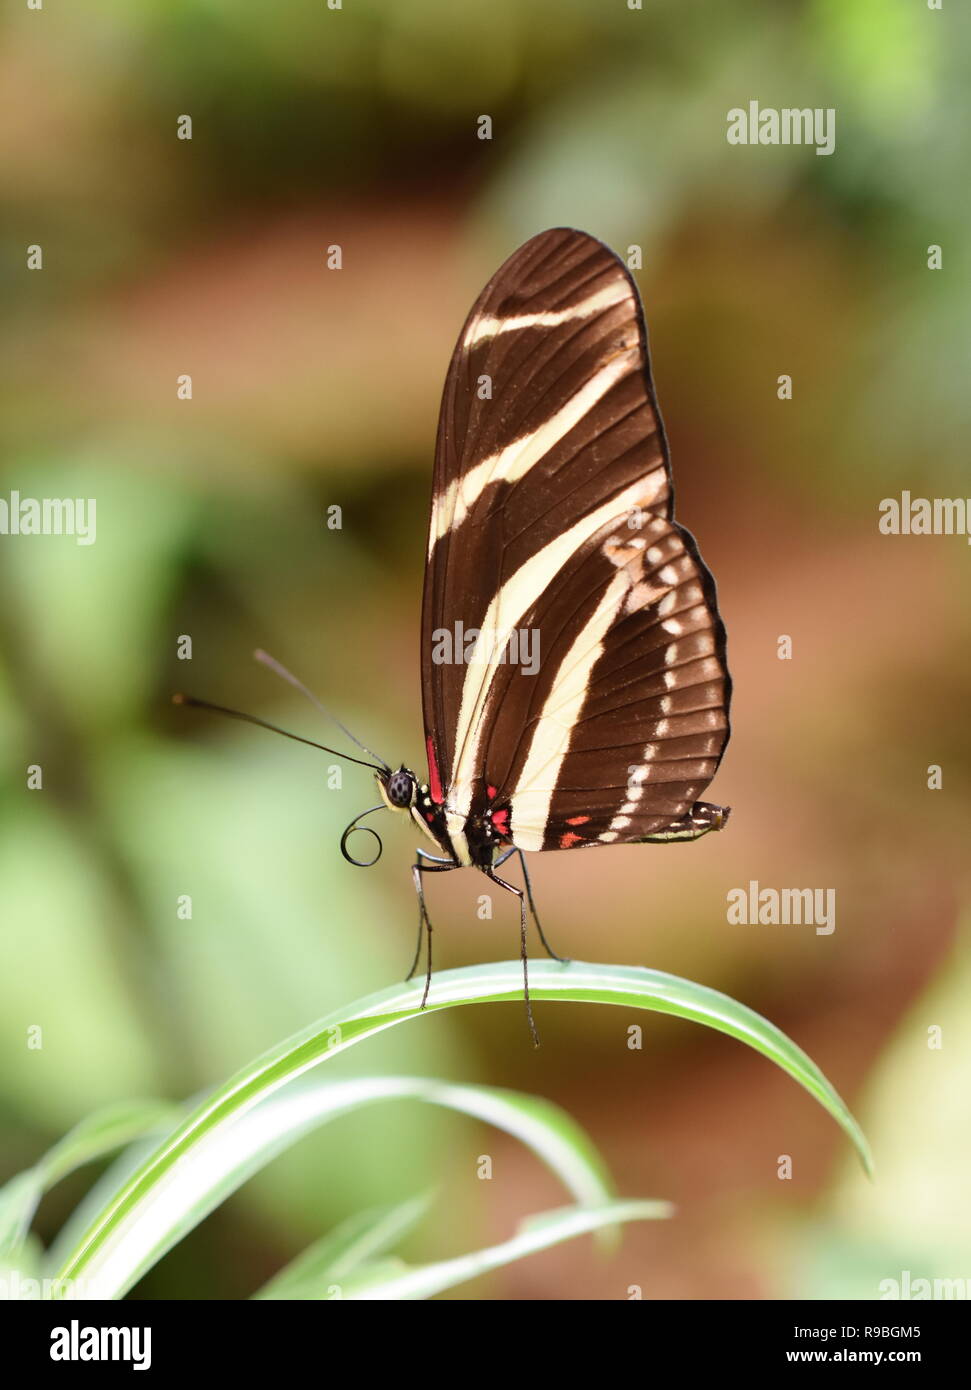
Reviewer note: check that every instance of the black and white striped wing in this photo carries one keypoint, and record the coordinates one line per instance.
(552, 524)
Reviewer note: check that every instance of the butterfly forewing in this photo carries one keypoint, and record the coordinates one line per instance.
(594, 707)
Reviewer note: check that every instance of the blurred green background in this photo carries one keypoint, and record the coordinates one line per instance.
(314, 388)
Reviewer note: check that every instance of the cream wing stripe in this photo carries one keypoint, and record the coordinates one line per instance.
(551, 738)
(451, 507)
(489, 326)
(505, 613)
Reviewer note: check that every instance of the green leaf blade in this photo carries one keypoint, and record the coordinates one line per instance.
(103, 1256)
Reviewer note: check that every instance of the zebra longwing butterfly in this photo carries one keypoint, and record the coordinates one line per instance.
(574, 682)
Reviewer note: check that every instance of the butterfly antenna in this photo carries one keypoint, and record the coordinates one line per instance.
(266, 660)
(193, 703)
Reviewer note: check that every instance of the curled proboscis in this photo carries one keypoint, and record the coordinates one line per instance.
(356, 825)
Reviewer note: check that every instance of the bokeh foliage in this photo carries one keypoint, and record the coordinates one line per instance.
(311, 389)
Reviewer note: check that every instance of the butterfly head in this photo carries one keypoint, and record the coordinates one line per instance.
(399, 790)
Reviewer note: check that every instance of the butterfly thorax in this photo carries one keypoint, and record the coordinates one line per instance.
(476, 839)
(487, 830)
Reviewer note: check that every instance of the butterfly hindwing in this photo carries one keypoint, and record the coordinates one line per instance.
(629, 714)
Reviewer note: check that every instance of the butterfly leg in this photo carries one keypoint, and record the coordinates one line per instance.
(511, 888)
(564, 960)
(432, 865)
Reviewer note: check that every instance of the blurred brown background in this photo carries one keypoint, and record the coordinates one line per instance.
(314, 387)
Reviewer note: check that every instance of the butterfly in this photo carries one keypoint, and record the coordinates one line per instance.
(574, 680)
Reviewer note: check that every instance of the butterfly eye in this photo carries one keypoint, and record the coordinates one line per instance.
(401, 788)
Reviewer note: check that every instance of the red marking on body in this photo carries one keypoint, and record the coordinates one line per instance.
(568, 839)
(434, 780)
(500, 819)
(430, 816)
(577, 820)
(491, 792)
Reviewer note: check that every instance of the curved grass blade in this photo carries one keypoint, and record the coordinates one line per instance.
(103, 1256)
(227, 1154)
(356, 1242)
(396, 1280)
(100, 1134)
